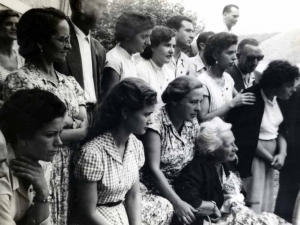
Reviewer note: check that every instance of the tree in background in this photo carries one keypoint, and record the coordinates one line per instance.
(161, 10)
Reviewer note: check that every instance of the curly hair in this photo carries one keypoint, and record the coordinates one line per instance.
(27, 111)
(277, 73)
(129, 24)
(37, 25)
(6, 13)
(208, 139)
(160, 34)
(218, 43)
(179, 88)
(132, 94)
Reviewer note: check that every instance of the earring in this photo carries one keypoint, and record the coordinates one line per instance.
(216, 61)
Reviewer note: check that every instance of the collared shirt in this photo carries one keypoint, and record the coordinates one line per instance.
(197, 66)
(15, 200)
(181, 67)
(248, 79)
(121, 61)
(87, 65)
(271, 120)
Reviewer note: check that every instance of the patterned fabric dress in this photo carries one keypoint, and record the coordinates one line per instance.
(235, 210)
(69, 92)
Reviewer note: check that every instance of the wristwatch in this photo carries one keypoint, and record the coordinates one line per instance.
(46, 200)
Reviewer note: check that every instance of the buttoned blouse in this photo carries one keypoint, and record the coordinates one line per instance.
(121, 61)
(271, 119)
(181, 67)
(197, 66)
(99, 161)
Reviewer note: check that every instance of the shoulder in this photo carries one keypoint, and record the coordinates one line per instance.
(99, 46)
(157, 120)
(228, 77)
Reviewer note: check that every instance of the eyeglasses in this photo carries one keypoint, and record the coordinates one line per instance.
(64, 39)
(253, 57)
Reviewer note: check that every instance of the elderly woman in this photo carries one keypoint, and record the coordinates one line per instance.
(10, 60)
(219, 94)
(153, 67)
(106, 169)
(132, 32)
(43, 37)
(31, 121)
(169, 141)
(211, 185)
(260, 133)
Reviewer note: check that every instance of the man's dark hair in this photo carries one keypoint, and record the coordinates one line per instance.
(247, 41)
(227, 8)
(203, 37)
(175, 22)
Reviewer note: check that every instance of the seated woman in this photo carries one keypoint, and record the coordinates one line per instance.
(260, 133)
(169, 142)
(211, 185)
(152, 68)
(31, 121)
(132, 32)
(107, 167)
(219, 94)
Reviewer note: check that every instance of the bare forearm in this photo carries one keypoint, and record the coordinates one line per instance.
(41, 210)
(282, 145)
(133, 207)
(73, 135)
(262, 153)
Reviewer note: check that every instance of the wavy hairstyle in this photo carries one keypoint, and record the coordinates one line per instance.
(129, 24)
(27, 111)
(37, 25)
(6, 13)
(160, 34)
(218, 43)
(132, 94)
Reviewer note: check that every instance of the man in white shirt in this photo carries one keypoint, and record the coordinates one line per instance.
(184, 30)
(243, 73)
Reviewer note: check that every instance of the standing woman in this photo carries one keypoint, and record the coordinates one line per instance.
(169, 142)
(43, 37)
(132, 32)
(10, 60)
(152, 68)
(219, 94)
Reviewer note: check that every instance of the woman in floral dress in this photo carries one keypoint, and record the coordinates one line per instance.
(169, 142)
(43, 36)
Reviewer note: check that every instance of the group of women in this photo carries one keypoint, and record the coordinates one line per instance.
(137, 163)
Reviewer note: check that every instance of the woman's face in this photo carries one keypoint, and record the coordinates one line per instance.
(56, 48)
(189, 106)
(227, 57)
(141, 41)
(8, 29)
(286, 90)
(138, 121)
(226, 153)
(45, 142)
(163, 52)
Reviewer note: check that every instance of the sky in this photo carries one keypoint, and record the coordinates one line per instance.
(256, 16)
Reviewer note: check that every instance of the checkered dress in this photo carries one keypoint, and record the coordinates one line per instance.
(99, 161)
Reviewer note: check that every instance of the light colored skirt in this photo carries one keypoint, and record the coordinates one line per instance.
(260, 186)
(296, 214)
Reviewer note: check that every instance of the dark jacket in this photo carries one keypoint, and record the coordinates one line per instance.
(237, 76)
(72, 66)
(246, 121)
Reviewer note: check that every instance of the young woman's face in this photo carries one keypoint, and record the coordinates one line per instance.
(141, 41)
(8, 29)
(45, 142)
(163, 52)
(227, 57)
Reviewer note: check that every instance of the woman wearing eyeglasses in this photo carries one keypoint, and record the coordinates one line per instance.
(43, 37)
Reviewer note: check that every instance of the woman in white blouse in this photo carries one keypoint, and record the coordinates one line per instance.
(152, 68)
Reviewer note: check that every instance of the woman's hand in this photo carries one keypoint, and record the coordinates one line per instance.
(216, 215)
(68, 122)
(278, 161)
(185, 212)
(242, 99)
(31, 171)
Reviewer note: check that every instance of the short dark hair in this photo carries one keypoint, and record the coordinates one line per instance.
(247, 41)
(129, 24)
(27, 111)
(277, 73)
(34, 26)
(159, 35)
(130, 93)
(175, 22)
(73, 4)
(218, 43)
(179, 88)
(203, 37)
(227, 8)
(6, 13)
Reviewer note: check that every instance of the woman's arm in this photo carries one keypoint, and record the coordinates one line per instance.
(152, 145)
(133, 204)
(87, 201)
(110, 79)
(278, 160)
(263, 153)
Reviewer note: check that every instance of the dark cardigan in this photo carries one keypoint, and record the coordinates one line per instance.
(246, 121)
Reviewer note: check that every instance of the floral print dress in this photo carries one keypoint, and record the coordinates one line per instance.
(69, 92)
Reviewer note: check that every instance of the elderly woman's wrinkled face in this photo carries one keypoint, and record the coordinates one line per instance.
(286, 90)
(226, 153)
(227, 57)
(8, 29)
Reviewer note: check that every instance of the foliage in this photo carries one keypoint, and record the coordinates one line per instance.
(161, 10)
